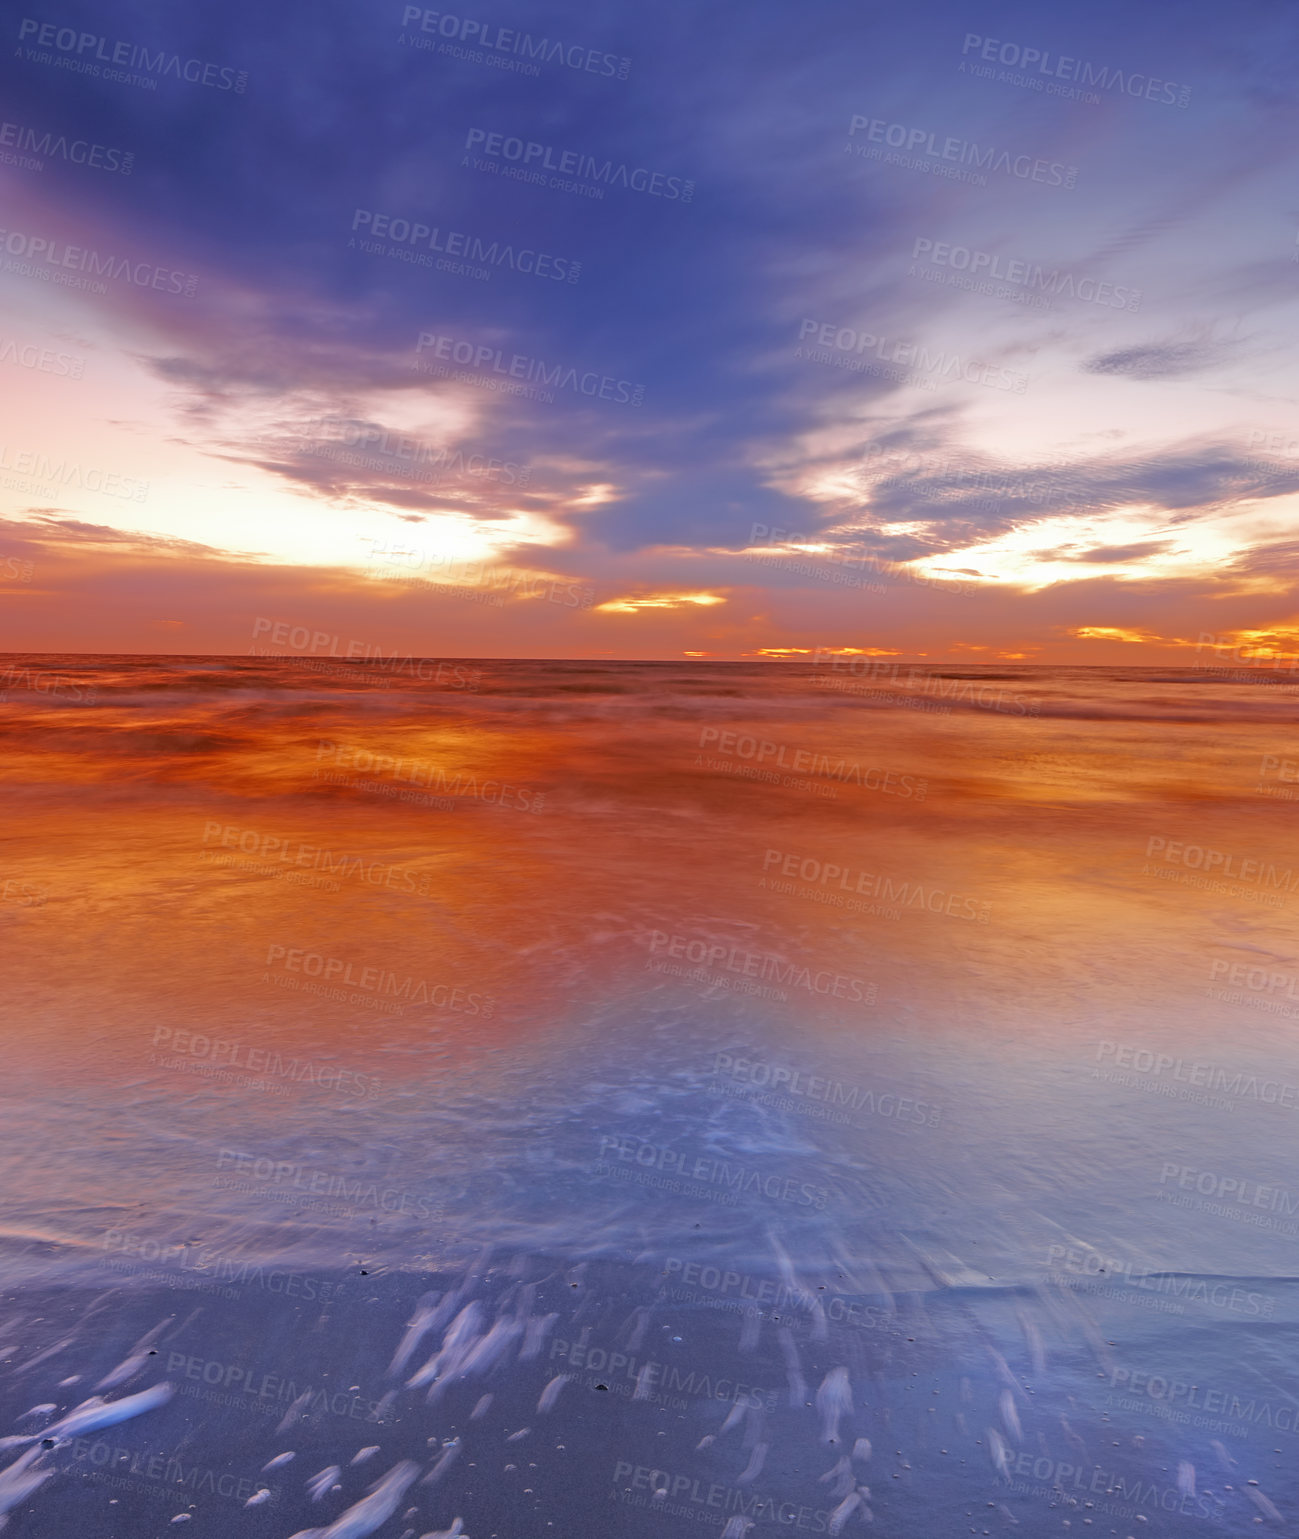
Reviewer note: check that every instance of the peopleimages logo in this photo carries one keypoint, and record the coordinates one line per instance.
(80, 152)
(1119, 1274)
(75, 44)
(818, 1088)
(742, 1292)
(856, 560)
(1030, 275)
(359, 1191)
(506, 40)
(41, 256)
(768, 965)
(548, 157)
(217, 1266)
(284, 851)
(911, 355)
(530, 370)
(1222, 863)
(653, 1375)
(1229, 645)
(60, 471)
(922, 142)
(806, 761)
(127, 1468)
(43, 359)
(906, 892)
(1062, 67)
(1181, 1393)
(1257, 979)
(677, 1495)
(1207, 1076)
(457, 244)
(1057, 1476)
(923, 680)
(60, 685)
(333, 437)
(326, 644)
(1239, 1189)
(428, 776)
(378, 980)
(631, 1148)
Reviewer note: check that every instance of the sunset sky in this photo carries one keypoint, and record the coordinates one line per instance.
(764, 401)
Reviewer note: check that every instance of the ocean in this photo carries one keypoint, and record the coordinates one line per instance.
(487, 1097)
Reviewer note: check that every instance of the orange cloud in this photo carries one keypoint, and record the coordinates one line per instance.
(1278, 642)
(1118, 633)
(630, 605)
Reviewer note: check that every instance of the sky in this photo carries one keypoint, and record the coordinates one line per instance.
(954, 332)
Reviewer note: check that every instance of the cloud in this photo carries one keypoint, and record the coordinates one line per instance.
(1126, 634)
(631, 605)
(1173, 360)
(51, 526)
(951, 508)
(297, 319)
(1113, 554)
